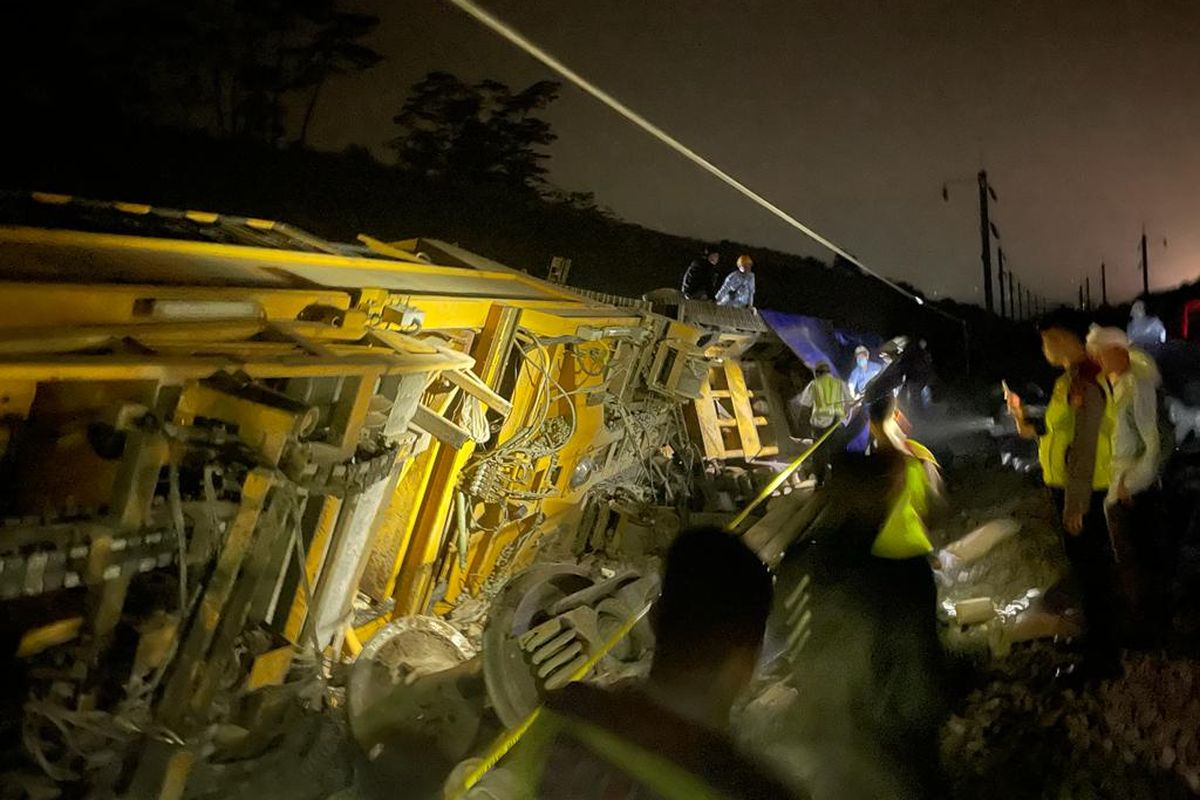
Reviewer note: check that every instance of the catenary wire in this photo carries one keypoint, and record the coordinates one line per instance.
(506, 31)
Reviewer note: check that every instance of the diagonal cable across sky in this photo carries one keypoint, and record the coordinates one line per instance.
(511, 34)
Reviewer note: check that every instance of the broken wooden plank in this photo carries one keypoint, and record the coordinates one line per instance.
(473, 385)
(440, 428)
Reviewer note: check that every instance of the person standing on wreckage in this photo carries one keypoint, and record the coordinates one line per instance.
(857, 632)
(1075, 451)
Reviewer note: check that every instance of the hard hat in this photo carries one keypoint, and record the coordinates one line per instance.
(1099, 338)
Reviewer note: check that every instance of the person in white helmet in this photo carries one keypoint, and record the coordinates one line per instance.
(863, 373)
(1136, 456)
(1144, 330)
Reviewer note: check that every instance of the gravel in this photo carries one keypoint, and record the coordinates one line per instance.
(1024, 725)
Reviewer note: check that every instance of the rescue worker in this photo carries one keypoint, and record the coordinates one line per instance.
(1075, 453)
(700, 279)
(1144, 330)
(864, 371)
(666, 739)
(737, 290)
(1133, 379)
(858, 625)
(828, 400)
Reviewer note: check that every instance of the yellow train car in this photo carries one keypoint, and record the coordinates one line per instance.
(228, 445)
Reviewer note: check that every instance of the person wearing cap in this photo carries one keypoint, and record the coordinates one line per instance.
(1134, 380)
(1144, 330)
(700, 279)
(863, 373)
(738, 289)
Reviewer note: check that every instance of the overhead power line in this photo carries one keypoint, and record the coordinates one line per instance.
(503, 29)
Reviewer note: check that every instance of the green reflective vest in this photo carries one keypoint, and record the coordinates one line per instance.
(903, 533)
(1060, 433)
(828, 399)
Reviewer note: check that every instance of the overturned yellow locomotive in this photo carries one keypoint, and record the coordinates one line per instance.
(232, 450)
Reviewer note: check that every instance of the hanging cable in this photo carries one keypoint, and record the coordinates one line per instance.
(503, 29)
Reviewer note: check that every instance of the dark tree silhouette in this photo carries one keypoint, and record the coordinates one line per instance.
(258, 51)
(335, 50)
(456, 132)
(228, 67)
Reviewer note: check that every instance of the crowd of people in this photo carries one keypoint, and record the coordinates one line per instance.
(703, 280)
(1100, 450)
(850, 616)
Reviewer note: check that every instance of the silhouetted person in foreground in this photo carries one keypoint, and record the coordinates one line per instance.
(666, 738)
(856, 631)
(700, 279)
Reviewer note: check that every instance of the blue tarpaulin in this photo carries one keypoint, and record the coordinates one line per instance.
(815, 340)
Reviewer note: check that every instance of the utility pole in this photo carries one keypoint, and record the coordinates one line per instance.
(1087, 282)
(1103, 284)
(1081, 296)
(1145, 263)
(1020, 303)
(985, 240)
(1000, 277)
(1029, 303)
(1011, 304)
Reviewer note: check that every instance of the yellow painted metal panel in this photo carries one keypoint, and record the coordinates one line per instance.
(314, 559)
(39, 639)
(739, 395)
(178, 369)
(395, 534)
(416, 578)
(43, 305)
(193, 652)
(259, 257)
(16, 397)
(271, 668)
(262, 427)
(706, 419)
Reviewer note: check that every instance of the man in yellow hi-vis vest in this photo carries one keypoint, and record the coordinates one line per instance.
(665, 739)
(1075, 451)
(829, 399)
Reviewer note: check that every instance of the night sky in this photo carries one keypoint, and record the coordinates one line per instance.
(851, 114)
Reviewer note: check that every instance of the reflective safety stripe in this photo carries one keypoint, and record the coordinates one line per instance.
(1060, 433)
(660, 775)
(663, 777)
